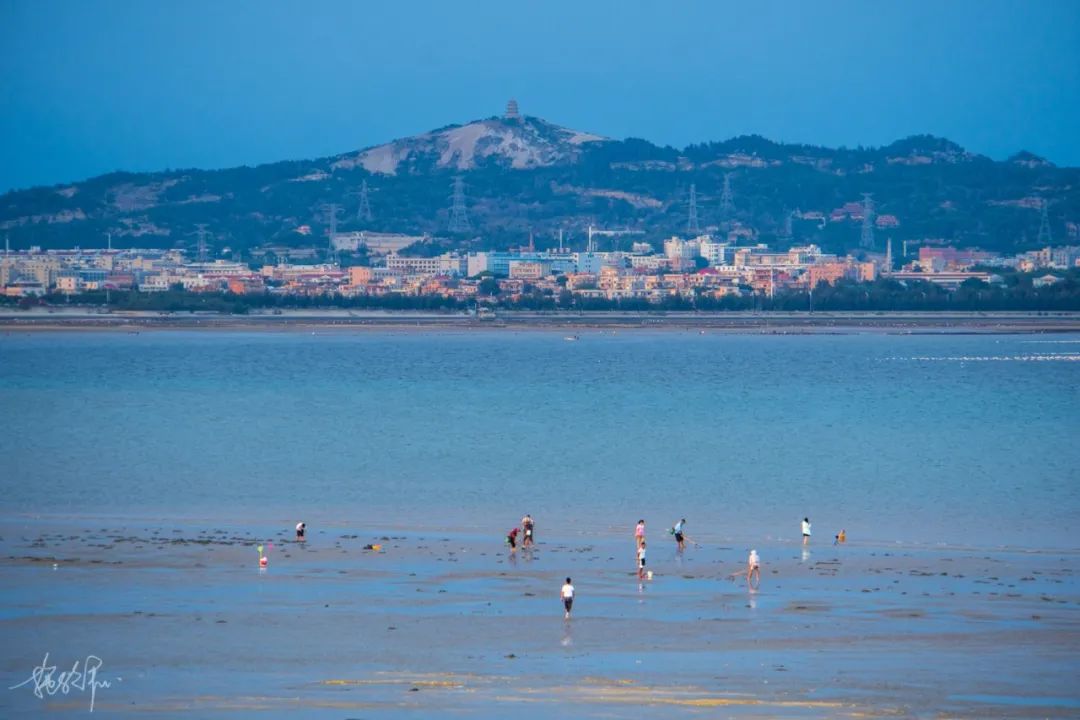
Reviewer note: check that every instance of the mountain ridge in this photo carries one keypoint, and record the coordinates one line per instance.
(527, 174)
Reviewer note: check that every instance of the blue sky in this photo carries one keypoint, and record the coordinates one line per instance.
(90, 87)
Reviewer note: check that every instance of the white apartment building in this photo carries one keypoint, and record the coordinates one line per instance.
(717, 253)
(650, 263)
(587, 262)
(157, 283)
(218, 269)
(681, 253)
(1064, 257)
(446, 264)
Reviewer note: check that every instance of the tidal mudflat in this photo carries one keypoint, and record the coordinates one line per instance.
(447, 622)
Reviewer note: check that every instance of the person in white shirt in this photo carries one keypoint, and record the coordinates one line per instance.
(527, 531)
(641, 560)
(567, 597)
(753, 566)
(805, 531)
(677, 531)
(300, 527)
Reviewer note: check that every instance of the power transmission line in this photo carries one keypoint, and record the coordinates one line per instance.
(363, 209)
(201, 247)
(692, 226)
(331, 210)
(727, 200)
(459, 217)
(1045, 238)
(866, 237)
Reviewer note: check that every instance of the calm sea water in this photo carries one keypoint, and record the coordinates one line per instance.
(909, 438)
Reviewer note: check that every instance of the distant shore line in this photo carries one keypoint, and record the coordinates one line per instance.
(772, 322)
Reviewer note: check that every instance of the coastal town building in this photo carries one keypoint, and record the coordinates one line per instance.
(702, 266)
(376, 243)
(447, 264)
(948, 279)
(936, 259)
(1045, 281)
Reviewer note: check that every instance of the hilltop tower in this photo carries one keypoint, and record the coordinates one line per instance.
(459, 218)
(512, 110)
(1045, 239)
(692, 226)
(866, 238)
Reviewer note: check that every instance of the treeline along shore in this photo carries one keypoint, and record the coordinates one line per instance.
(881, 295)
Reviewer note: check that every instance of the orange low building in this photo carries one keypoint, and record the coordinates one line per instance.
(359, 276)
(245, 285)
(829, 273)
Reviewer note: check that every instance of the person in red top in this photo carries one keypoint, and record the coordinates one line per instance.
(511, 539)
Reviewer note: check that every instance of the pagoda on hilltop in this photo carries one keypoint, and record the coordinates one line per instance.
(512, 110)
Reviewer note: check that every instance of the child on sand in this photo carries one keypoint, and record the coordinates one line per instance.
(639, 533)
(300, 527)
(567, 597)
(805, 531)
(641, 560)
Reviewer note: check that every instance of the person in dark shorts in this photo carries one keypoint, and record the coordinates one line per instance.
(677, 531)
(300, 527)
(567, 597)
(511, 539)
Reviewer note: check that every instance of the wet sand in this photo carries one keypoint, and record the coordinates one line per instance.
(444, 622)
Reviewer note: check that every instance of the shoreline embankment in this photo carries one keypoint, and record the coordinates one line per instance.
(64, 319)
